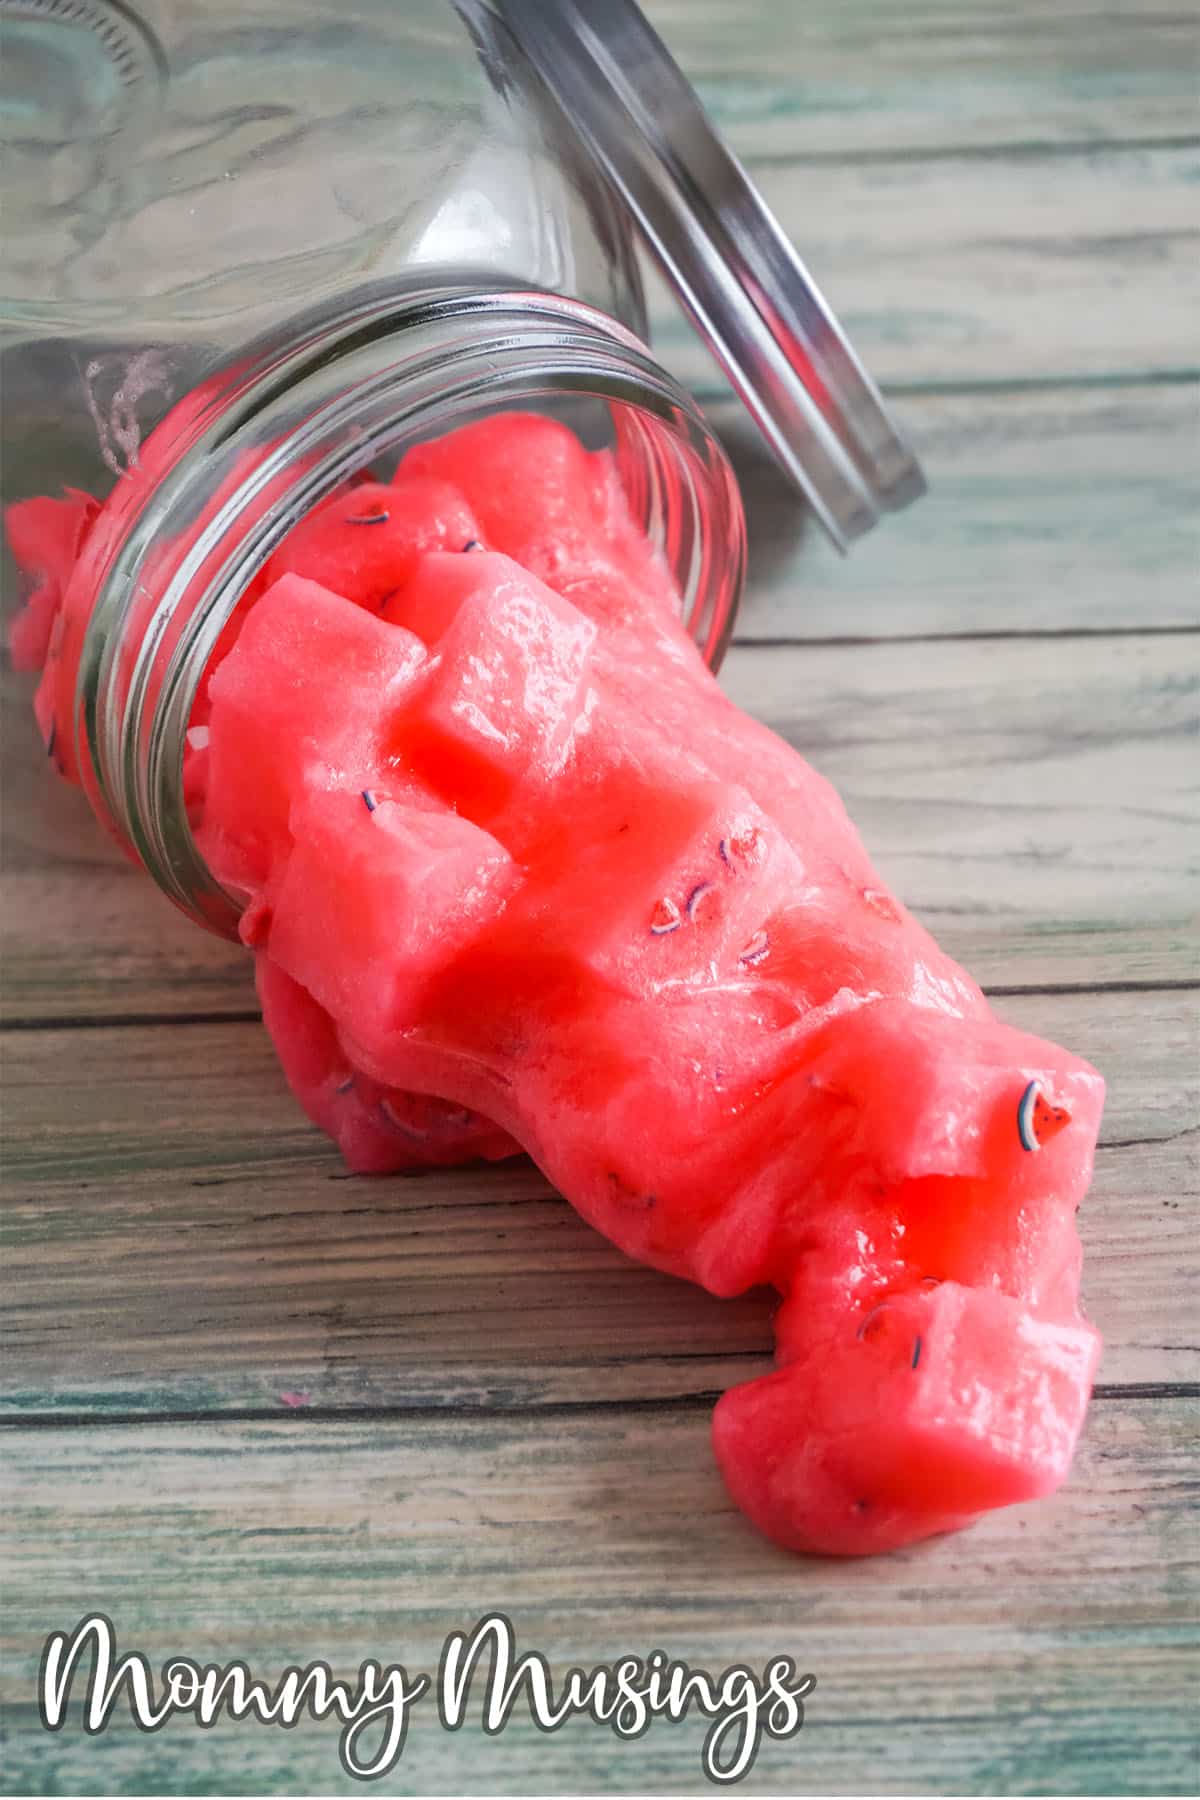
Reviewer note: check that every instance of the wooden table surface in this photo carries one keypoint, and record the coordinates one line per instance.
(256, 1408)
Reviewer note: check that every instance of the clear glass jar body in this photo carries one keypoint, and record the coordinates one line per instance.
(254, 250)
(177, 184)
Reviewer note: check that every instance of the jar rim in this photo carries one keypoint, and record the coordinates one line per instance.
(273, 433)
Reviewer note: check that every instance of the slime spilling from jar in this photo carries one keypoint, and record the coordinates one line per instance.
(519, 877)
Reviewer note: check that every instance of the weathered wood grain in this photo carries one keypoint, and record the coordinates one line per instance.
(1051, 1649)
(177, 1238)
(879, 78)
(991, 269)
(1033, 801)
(1014, 795)
(1047, 511)
(83, 932)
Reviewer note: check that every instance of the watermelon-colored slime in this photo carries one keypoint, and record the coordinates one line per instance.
(520, 877)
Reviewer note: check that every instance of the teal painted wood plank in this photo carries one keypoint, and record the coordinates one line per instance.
(1047, 511)
(177, 1239)
(991, 269)
(1002, 788)
(1051, 1649)
(1019, 780)
(885, 77)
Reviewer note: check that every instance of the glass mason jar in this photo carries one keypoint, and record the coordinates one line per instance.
(255, 250)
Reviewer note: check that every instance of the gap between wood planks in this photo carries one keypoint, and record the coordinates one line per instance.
(1050, 635)
(1017, 150)
(375, 1412)
(135, 1021)
(1102, 381)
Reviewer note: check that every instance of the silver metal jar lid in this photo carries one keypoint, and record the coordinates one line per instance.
(724, 254)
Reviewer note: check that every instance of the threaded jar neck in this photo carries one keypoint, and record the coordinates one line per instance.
(237, 464)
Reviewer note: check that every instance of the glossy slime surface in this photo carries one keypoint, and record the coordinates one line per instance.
(520, 877)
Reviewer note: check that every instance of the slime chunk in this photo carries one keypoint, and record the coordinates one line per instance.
(519, 876)
(44, 536)
(367, 542)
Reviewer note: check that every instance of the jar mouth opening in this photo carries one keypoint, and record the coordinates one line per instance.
(238, 463)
